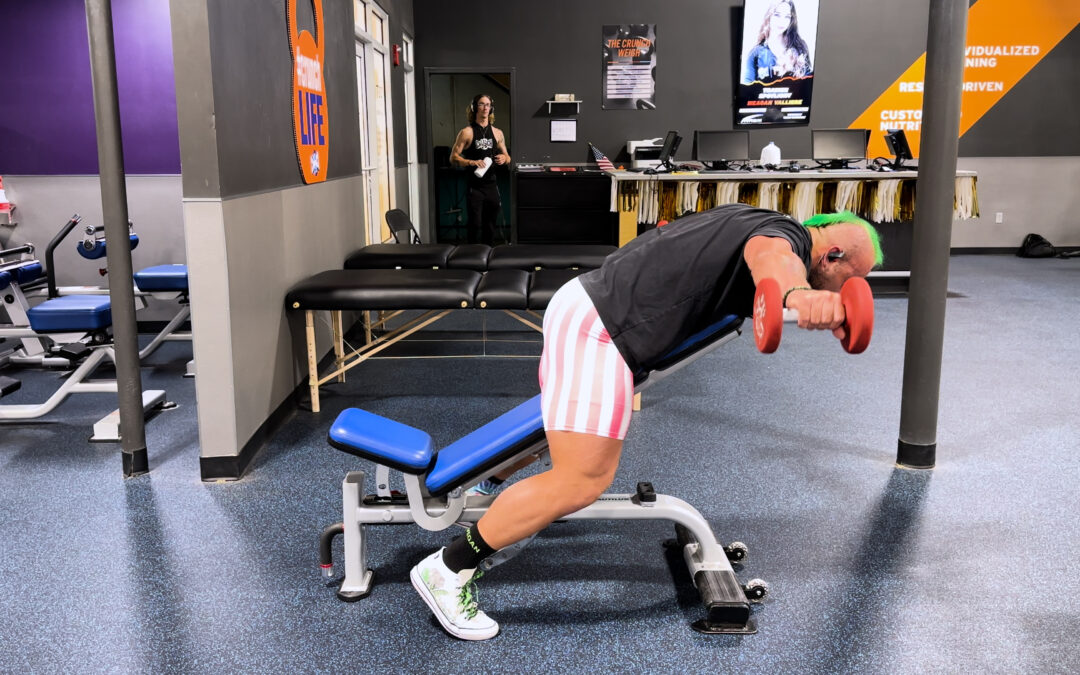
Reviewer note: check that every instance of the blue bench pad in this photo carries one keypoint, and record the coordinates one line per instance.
(162, 278)
(71, 313)
(399, 446)
(24, 274)
(483, 449)
(408, 449)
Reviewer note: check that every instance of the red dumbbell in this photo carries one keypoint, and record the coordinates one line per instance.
(770, 315)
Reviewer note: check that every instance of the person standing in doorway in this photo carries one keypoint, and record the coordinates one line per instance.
(476, 148)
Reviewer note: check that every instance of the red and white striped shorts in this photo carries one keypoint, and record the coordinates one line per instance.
(585, 385)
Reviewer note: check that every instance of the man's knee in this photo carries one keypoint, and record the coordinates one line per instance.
(582, 490)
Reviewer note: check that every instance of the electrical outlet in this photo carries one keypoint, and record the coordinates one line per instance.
(999, 217)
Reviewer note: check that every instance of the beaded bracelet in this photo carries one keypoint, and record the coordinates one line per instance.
(783, 303)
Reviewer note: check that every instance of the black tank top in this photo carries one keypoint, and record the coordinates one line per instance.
(483, 145)
(672, 281)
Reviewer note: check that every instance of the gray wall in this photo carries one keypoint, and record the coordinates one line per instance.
(863, 45)
(555, 47)
(252, 228)
(45, 203)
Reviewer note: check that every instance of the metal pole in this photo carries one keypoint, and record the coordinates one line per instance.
(917, 444)
(114, 209)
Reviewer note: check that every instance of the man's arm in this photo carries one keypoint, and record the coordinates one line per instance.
(464, 137)
(503, 156)
(773, 258)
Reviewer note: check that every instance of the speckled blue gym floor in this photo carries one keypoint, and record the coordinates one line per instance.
(872, 568)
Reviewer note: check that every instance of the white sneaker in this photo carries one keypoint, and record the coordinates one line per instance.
(452, 598)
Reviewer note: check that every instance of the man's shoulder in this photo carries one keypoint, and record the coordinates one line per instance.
(466, 130)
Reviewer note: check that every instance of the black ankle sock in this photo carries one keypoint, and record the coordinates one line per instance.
(495, 480)
(466, 552)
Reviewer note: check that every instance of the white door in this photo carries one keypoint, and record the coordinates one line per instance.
(407, 49)
(376, 124)
(367, 166)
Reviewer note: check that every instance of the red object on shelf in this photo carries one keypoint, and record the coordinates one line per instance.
(5, 205)
(562, 168)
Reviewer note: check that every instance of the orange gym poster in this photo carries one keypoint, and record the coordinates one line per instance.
(1005, 40)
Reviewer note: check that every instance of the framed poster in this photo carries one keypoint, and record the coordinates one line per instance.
(776, 73)
(629, 67)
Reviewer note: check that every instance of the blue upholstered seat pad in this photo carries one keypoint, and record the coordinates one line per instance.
(162, 278)
(32, 271)
(487, 446)
(99, 249)
(385, 289)
(21, 273)
(382, 440)
(408, 449)
(71, 313)
(695, 343)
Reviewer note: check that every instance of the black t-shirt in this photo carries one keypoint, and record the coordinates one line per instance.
(672, 281)
(483, 145)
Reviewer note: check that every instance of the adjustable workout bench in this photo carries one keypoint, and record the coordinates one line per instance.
(79, 322)
(164, 282)
(436, 481)
(437, 279)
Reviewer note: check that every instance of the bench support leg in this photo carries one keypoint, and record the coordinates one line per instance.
(357, 582)
(339, 346)
(312, 360)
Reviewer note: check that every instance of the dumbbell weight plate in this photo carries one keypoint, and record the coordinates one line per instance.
(858, 302)
(768, 316)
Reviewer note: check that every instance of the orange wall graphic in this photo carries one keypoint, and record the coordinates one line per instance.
(311, 125)
(1005, 39)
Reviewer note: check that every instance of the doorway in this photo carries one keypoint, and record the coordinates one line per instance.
(371, 29)
(448, 93)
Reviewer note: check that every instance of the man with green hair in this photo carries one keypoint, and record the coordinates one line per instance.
(610, 323)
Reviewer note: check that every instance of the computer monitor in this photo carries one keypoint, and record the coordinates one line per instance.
(896, 139)
(667, 151)
(717, 149)
(835, 148)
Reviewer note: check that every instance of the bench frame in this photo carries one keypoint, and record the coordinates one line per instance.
(727, 602)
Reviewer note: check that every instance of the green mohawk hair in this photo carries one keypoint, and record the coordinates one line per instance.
(826, 219)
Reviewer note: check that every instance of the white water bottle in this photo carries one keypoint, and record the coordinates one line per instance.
(770, 155)
(481, 170)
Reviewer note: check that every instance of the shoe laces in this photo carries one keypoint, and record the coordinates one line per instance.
(469, 595)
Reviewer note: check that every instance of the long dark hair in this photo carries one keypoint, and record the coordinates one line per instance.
(472, 109)
(792, 39)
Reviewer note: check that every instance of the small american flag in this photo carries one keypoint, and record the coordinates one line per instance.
(601, 159)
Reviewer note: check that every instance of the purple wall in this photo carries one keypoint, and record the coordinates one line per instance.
(47, 105)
